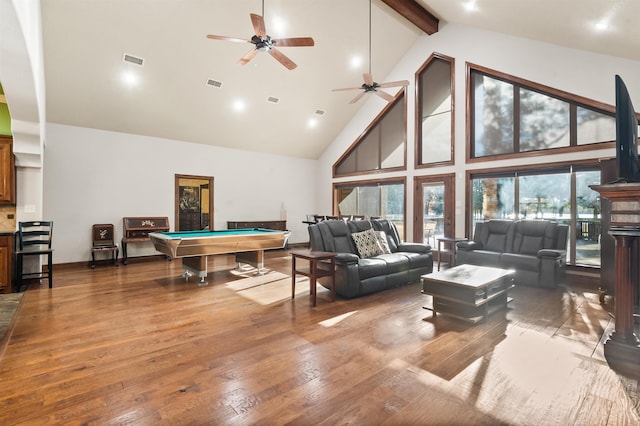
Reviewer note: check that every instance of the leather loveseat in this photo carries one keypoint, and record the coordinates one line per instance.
(359, 273)
(535, 249)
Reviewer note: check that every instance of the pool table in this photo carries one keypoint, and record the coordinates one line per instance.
(194, 246)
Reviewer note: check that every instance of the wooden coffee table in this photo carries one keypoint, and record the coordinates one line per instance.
(468, 292)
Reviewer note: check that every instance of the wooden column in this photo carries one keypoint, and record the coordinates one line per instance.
(622, 349)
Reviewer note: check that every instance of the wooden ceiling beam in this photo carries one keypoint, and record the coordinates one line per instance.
(416, 14)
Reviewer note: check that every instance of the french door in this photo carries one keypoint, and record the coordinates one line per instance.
(434, 208)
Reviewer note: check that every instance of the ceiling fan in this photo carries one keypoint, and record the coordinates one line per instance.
(264, 42)
(370, 86)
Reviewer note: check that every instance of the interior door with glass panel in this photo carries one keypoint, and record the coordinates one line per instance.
(434, 208)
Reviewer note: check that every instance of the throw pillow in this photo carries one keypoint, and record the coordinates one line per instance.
(384, 244)
(367, 243)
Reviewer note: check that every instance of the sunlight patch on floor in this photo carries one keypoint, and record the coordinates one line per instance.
(336, 320)
(269, 288)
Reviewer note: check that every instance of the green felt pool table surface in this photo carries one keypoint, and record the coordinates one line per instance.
(217, 233)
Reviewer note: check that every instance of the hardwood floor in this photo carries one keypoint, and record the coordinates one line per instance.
(137, 344)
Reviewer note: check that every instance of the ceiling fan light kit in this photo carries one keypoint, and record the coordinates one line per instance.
(264, 43)
(369, 85)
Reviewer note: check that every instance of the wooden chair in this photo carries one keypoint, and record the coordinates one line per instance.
(34, 239)
(430, 233)
(104, 241)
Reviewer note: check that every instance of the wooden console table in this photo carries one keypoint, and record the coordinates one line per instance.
(321, 264)
(137, 229)
(622, 349)
(278, 225)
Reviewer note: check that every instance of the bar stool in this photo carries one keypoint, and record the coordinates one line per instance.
(34, 239)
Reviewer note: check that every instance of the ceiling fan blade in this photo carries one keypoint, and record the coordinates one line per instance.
(357, 98)
(384, 95)
(347, 88)
(368, 78)
(403, 83)
(258, 25)
(282, 58)
(225, 38)
(295, 41)
(249, 56)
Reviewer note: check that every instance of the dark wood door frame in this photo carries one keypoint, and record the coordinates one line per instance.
(448, 180)
(179, 177)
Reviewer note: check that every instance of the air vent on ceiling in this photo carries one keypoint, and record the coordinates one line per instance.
(319, 112)
(133, 59)
(214, 83)
(273, 99)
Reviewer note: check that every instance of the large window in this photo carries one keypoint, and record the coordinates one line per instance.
(384, 198)
(434, 111)
(511, 116)
(381, 147)
(558, 193)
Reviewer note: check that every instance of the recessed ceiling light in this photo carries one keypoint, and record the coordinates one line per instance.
(312, 122)
(469, 5)
(355, 62)
(239, 105)
(277, 26)
(130, 78)
(602, 25)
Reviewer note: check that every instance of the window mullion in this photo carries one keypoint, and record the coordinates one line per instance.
(516, 119)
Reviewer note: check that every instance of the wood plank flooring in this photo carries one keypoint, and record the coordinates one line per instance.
(136, 344)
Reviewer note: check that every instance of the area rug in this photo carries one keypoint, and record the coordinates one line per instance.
(272, 287)
(9, 304)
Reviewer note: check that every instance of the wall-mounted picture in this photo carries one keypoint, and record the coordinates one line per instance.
(189, 199)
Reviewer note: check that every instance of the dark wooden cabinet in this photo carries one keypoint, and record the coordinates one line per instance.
(278, 225)
(6, 263)
(607, 243)
(7, 171)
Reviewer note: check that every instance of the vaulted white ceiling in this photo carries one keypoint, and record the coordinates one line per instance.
(84, 44)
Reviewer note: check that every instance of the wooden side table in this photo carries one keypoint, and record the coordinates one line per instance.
(452, 241)
(314, 271)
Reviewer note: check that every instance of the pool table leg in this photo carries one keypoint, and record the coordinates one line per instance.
(197, 265)
(253, 258)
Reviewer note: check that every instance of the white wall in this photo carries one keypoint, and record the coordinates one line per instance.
(22, 76)
(94, 176)
(579, 72)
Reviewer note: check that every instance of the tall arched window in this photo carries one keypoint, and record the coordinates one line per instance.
(434, 112)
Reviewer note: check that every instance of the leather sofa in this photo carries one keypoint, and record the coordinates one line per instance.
(535, 249)
(357, 274)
